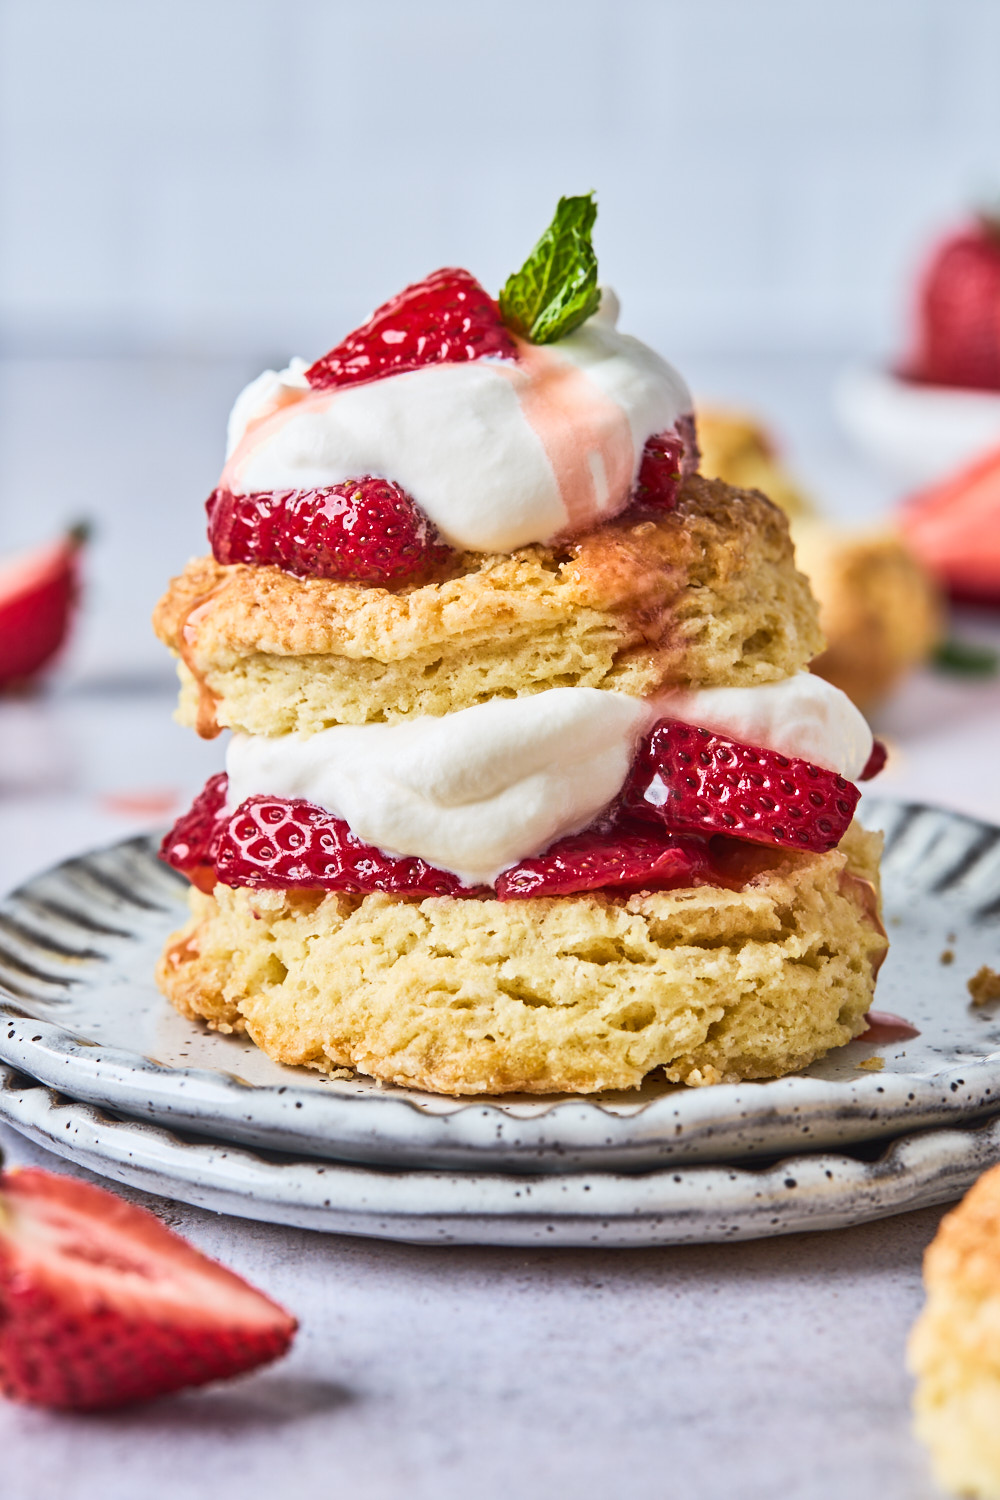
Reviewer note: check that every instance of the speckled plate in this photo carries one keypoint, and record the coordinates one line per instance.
(80, 1012)
(665, 1206)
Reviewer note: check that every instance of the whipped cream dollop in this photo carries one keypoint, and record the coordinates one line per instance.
(477, 790)
(473, 791)
(498, 453)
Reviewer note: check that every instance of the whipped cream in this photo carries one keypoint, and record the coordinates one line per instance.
(498, 453)
(802, 715)
(478, 790)
(472, 792)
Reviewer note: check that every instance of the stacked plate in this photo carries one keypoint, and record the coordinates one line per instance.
(97, 1067)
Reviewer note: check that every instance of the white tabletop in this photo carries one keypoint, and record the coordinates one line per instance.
(751, 1370)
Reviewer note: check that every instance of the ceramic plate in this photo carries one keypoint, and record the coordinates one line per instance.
(79, 1010)
(671, 1206)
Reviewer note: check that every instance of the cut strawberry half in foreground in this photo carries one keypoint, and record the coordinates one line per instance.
(954, 528)
(366, 530)
(38, 591)
(102, 1305)
(690, 780)
(448, 318)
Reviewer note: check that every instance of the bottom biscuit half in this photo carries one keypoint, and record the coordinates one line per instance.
(549, 995)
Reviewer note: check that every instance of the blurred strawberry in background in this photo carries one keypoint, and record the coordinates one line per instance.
(957, 332)
(954, 528)
(38, 595)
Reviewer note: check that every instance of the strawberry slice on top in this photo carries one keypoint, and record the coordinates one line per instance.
(692, 780)
(102, 1305)
(447, 318)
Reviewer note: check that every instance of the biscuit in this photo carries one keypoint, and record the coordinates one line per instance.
(879, 607)
(954, 1348)
(705, 595)
(568, 993)
(880, 610)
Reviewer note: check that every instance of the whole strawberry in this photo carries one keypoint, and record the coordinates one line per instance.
(102, 1305)
(692, 780)
(447, 318)
(957, 340)
(366, 531)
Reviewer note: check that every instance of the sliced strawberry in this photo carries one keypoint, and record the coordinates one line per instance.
(875, 762)
(954, 528)
(615, 860)
(691, 780)
(37, 593)
(193, 843)
(957, 339)
(660, 472)
(293, 844)
(102, 1305)
(446, 319)
(366, 530)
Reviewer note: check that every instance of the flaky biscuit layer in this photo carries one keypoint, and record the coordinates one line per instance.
(570, 993)
(955, 1345)
(707, 595)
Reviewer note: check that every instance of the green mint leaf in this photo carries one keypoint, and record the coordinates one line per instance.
(556, 288)
(964, 659)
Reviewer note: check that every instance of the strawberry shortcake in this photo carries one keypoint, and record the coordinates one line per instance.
(528, 786)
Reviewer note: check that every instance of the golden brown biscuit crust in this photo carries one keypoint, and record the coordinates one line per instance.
(954, 1348)
(707, 594)
(571, 993)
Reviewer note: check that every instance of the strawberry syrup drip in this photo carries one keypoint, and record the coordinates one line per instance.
(883, 1026)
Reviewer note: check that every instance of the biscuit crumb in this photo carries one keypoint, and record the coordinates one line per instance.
(948, 956)
(984, 986)
(872, 1064)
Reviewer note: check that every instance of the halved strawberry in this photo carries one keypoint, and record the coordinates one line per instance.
(193, 843)
(101, 1305)
(614, 860)
(293, 844)
(366, 530)
(447, 318)
(954, 528)
(37, 592)
(692, 780)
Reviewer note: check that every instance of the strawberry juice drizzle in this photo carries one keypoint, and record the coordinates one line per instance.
(884, 1027)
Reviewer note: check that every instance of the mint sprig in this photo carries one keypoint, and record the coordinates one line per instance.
(556, 288)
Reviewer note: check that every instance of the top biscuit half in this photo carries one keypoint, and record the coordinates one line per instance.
(704, 595)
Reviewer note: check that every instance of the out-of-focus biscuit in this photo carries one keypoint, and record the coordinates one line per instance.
(955, 1346)
(574, 993)
(707, 595)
